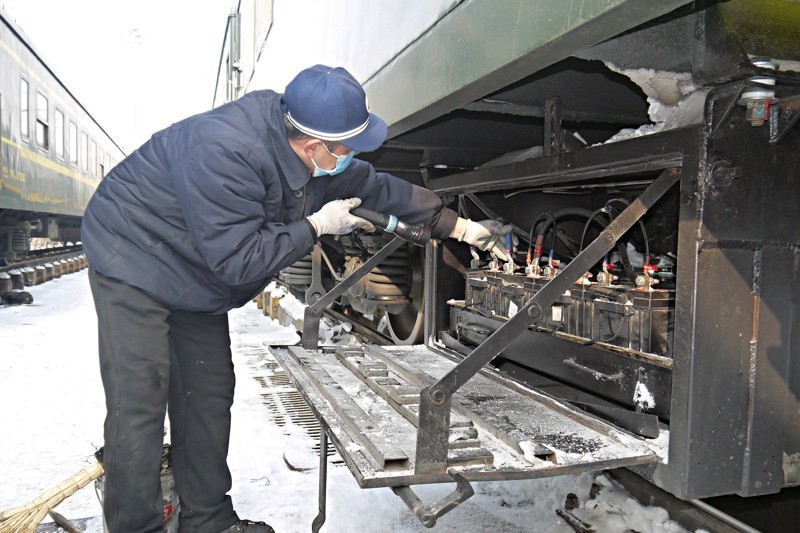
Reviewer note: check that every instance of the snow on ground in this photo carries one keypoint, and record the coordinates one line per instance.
(52, 404)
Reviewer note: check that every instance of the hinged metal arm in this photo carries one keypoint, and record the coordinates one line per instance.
(312, 314)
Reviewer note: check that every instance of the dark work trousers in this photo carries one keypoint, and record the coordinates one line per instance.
(151, 357)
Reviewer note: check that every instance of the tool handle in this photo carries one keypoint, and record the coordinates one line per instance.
(418, 234)
(379, 219)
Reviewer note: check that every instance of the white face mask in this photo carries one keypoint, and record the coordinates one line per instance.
(342, 162)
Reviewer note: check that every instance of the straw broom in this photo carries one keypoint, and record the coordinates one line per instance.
(24, 519)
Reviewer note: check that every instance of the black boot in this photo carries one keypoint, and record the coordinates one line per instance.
(248, 526)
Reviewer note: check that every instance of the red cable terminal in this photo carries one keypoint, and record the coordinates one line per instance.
(647, 268)
(537, 249)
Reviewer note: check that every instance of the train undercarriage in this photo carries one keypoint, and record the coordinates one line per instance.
(389, 299)
(22, 232)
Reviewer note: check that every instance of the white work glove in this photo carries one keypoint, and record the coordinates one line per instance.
(487, 235)
(334, 218)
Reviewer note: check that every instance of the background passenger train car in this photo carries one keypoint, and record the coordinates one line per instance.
(53, 153)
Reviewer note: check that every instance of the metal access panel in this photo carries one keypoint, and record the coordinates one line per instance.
(367, 400)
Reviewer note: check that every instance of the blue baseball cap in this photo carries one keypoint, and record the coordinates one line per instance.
(329, 104)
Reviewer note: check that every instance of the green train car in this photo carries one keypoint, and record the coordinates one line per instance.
(53, 153)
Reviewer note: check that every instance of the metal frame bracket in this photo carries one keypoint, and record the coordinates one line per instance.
(783, 115)
(553, 135)
(428, 515)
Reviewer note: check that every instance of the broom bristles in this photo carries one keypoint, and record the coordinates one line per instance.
(26, 517)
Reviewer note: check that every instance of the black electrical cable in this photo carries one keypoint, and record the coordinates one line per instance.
(601, 211)
(623, 251)
(548, 214)
(545, 215)
(626, 203)
(561, 215)
(530, 235)
(462, 207)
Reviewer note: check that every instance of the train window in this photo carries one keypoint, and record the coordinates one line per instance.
(42, 125)
(59, 134)
(24, 127)
(84, 151)
(73, 144)
(93, 159)
(101, 163)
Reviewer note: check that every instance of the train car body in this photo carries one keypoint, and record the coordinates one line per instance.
(556, 117)
(53, 153)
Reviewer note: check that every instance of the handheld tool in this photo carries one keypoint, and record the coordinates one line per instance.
(418, 234)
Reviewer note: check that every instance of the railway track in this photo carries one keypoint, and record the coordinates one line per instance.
(43, 256)
(38, 268)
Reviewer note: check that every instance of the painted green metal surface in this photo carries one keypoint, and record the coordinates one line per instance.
(765, 27)
(484, 45)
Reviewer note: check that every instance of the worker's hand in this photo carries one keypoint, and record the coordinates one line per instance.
(334, 218)
(487, 235)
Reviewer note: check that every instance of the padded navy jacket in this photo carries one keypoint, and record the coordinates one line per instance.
(207, 211)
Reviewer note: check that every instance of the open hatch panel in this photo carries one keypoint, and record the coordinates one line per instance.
(367, 400)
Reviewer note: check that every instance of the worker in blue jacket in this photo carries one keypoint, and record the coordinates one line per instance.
(196, 222)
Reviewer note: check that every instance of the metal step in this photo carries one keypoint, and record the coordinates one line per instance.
(367, 400)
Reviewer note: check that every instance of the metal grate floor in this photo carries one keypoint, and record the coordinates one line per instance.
(285, 404)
